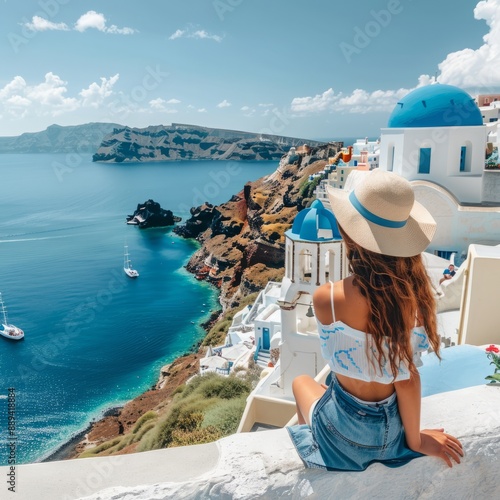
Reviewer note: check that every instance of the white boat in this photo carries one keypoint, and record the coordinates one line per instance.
(127, 265)
(7, 330)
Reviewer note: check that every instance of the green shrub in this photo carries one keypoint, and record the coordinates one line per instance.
(144, 429)
(197, 436)
(224, 388)
(102, 447)
(144, 418)
(225, 416)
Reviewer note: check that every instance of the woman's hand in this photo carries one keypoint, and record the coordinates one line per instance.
(436, 443)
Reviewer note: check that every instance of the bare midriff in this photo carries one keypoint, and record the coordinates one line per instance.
(367, 391)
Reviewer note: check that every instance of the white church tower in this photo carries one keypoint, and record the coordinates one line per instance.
(314, 255)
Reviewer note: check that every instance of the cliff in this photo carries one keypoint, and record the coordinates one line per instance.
(190, 142)
(242, 240)
(84, 139)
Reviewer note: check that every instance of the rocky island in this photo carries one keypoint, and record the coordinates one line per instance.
(150, 214)
(191, 142)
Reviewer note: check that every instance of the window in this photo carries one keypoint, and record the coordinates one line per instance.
(463, 153)
(424, 164)
(305, 266)
(445, 254)
(390, 158)
(465, 157)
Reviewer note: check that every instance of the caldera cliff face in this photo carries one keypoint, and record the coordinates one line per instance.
(242, 240)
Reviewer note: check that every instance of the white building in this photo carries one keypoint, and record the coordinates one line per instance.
(437, 140)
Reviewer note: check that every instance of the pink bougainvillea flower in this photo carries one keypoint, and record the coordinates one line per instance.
(492, 348)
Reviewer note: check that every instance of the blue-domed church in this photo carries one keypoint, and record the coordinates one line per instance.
(436, 133)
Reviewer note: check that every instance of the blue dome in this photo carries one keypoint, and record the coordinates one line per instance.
(436, 106)
(308, 224)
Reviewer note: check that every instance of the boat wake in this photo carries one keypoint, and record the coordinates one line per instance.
(13, 238)
(34, 239)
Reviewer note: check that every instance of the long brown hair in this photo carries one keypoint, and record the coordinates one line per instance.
(399, 294)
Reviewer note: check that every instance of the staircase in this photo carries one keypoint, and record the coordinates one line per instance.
(263, 358)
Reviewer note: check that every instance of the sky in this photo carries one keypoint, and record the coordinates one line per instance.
(317, 69)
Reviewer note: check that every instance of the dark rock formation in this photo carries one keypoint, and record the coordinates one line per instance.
(190, 142)
(200, 220)
(150, 214)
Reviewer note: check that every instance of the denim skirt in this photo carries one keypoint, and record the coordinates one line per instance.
(346, 434)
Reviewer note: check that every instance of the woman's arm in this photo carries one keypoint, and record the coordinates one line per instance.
(433, 442)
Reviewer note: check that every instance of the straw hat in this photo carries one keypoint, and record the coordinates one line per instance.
(381, 215)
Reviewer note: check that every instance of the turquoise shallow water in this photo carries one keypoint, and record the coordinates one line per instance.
(95, 338)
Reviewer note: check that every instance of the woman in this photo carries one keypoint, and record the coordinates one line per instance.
(372, 327)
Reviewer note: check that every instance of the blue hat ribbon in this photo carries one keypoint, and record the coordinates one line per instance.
(371, 217)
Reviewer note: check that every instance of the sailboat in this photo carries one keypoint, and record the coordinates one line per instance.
(7, 330)
(127, 265)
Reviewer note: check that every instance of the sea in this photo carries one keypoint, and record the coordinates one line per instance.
(95, 338)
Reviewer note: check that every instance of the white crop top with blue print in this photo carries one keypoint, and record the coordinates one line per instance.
(345, 350)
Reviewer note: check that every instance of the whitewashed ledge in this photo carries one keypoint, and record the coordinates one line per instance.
(265, 465)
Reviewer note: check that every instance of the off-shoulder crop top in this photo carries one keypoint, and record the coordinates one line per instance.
(345, 350)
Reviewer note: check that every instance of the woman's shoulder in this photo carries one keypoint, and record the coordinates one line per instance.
(349, 304)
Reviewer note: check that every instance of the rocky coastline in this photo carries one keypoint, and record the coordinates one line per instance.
(242, 248)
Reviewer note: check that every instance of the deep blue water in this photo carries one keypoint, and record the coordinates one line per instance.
(94, 338)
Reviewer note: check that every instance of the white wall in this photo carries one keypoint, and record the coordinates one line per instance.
(457, 226)
(445, 144)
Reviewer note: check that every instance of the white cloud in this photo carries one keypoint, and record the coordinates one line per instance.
(474, 70)
(266, 105)
(96, 20)
(50, 97)
(202, 110)
(224, 104)
(203, 34)
(177, 34)
(16, 86)
(17, 100)
(358, 101)
(40, 24)
(248, 111)
(157, 104)
(51, 93)
(95, 94)
(480, 68)
(320, 102)
(190, 32)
